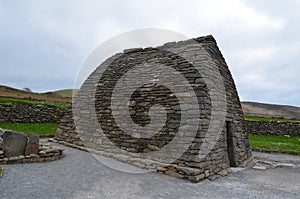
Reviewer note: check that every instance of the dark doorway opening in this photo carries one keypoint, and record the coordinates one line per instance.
(230, 143)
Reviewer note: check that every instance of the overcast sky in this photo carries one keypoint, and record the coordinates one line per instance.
(43, 44)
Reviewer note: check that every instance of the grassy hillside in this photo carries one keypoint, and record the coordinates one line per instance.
(271, 110)
(8, 92)
(65, 93)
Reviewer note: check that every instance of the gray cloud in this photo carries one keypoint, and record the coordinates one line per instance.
(44, 43)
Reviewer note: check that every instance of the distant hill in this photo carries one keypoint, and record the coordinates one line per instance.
(65, 95)
(271, 110)
(57, 96)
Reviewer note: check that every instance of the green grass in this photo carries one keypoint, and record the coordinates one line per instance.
(37, 128)
(255, 118)
(275, 143)
(33, 102)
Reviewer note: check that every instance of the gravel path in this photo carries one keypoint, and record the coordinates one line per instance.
(278, 157)
(80, 175)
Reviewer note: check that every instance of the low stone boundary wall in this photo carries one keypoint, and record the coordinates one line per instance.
(272, 128)
(31, 159)
(47, 152)
(17, 113)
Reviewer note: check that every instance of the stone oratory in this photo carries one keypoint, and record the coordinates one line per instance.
(173, 109)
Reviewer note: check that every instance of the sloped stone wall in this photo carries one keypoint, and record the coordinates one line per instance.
(272, 128)
(92, 112)
(18, 113)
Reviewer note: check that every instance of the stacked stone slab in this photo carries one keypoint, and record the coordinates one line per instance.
(92, 112)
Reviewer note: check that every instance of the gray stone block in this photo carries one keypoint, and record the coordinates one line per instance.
(14, 143)
(32, 144)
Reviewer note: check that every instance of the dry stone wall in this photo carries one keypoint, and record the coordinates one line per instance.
(92, 112)
(18, 113)
(272, 128)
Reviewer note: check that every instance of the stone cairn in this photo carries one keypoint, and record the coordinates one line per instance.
(16, 147)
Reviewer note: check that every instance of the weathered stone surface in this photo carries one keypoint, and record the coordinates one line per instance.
(260, 167)
(32, 144)
(14, 143)
(1, 131)
(1, 141)
(13, 158)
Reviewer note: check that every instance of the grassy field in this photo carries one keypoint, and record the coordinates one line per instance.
(32, 102)
(254, 118)
(275, 143)
(37, 128)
